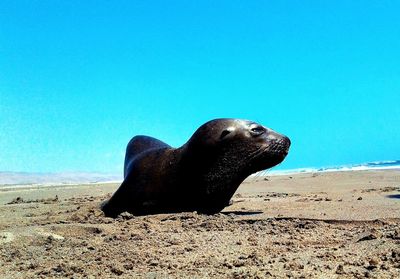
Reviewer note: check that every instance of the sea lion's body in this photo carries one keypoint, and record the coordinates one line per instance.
(202, 175)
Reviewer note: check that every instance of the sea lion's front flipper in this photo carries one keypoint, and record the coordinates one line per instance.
(140, 144)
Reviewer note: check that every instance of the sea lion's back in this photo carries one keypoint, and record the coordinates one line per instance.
(138, 145)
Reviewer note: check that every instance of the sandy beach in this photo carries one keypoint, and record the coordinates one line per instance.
(310, 225)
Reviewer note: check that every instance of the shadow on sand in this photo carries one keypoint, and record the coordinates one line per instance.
(396, 196)
(242, 213)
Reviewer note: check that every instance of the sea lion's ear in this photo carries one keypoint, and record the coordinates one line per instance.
(226, 133)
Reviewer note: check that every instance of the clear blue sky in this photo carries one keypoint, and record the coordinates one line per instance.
(78, 79)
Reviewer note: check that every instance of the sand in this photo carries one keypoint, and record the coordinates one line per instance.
(314, 225)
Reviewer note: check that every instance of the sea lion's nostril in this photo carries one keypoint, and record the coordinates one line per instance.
(287, 141)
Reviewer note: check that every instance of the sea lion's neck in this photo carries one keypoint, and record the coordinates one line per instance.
(213, 172)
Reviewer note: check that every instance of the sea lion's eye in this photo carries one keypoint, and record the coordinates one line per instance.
(257, 130)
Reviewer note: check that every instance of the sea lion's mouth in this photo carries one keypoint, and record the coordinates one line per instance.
(280, 153)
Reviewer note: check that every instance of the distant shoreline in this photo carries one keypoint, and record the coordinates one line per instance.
(342, 169)
(13, 187)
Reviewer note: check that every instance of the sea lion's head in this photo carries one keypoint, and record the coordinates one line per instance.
(260, 147)
(231, 148)
(223, 152)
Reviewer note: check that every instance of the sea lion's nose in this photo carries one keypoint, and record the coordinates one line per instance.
(276, 137)
(287, 140)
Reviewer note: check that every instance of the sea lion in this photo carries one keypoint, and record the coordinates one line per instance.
(202, 175)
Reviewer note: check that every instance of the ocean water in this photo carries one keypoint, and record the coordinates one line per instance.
(379, 165)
